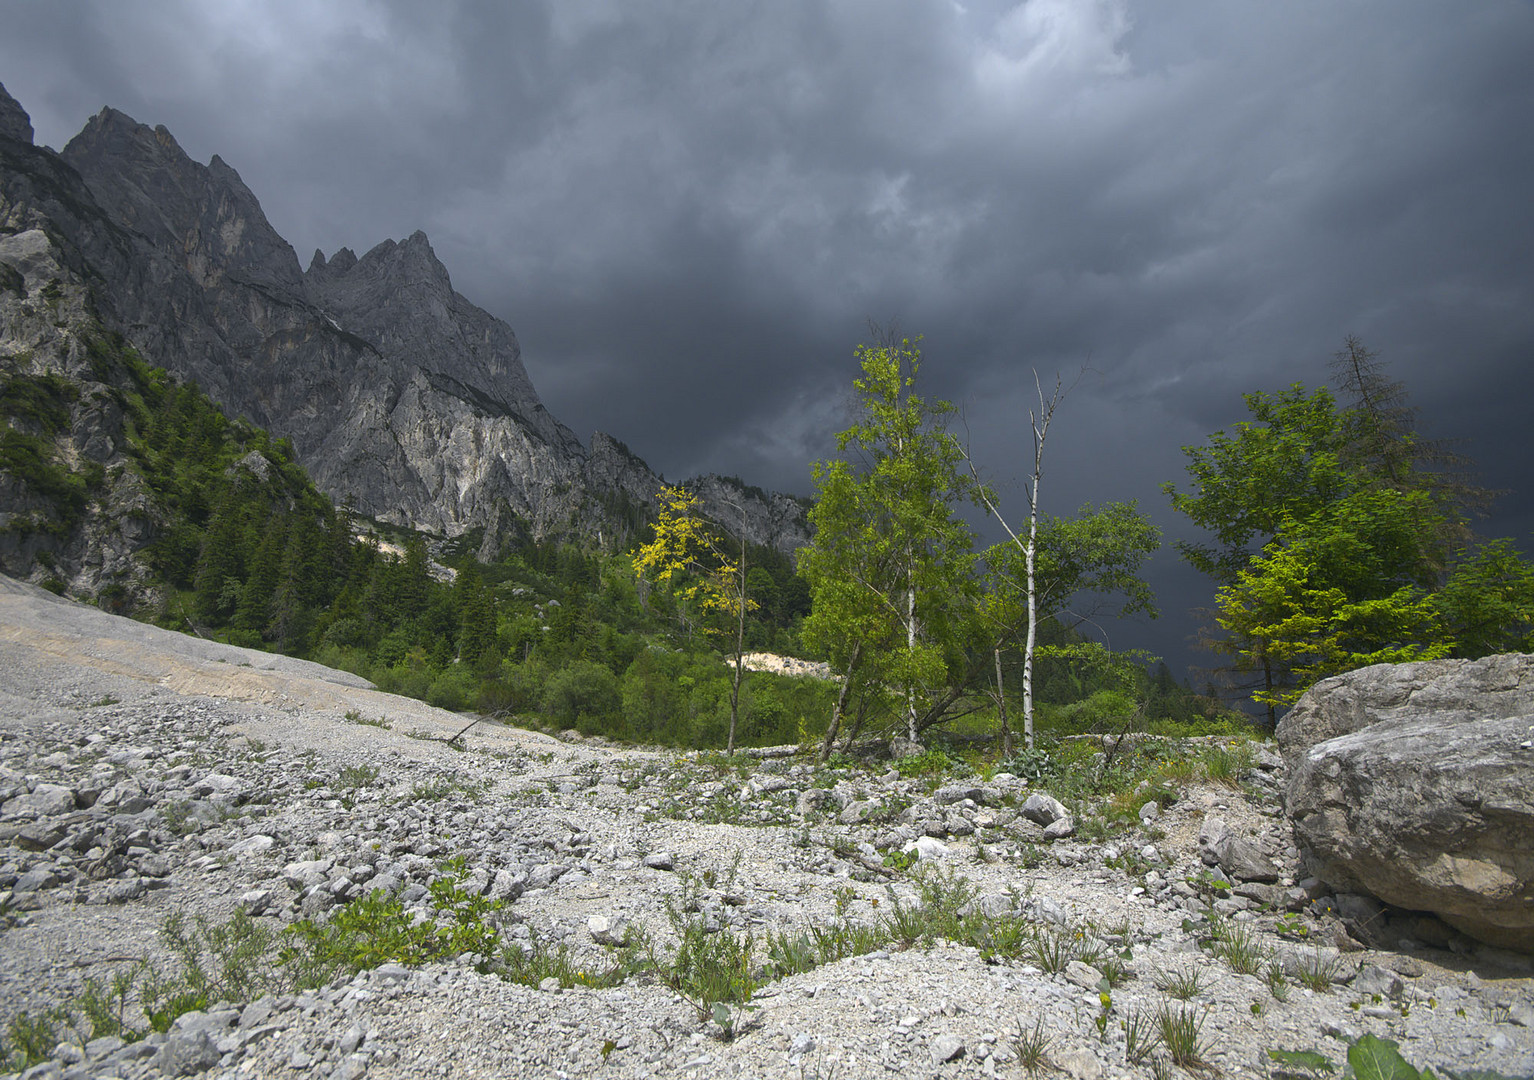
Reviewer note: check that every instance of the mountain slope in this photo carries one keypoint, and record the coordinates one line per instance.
(398, 394)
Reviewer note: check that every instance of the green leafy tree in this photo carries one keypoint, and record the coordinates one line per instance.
(687, 545)
(1341, 590)
(1342, 538)
(891, 561)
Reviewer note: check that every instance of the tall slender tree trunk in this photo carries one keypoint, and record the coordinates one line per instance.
(1001, 708)
(740, 643)
(1033, 615)
(840, 708)
(910, 644)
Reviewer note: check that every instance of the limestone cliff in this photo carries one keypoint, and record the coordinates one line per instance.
(397, 393)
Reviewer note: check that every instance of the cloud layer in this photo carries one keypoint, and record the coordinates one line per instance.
(689, 212)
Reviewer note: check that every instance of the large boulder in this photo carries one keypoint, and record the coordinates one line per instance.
(1415, 783)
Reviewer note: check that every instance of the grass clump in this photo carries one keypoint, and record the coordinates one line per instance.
(1178, 1029)
(1316, 971)
(1236, 944)
(1032, 1047)
(1181, 984)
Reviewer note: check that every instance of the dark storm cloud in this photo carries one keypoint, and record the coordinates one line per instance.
(689, 211)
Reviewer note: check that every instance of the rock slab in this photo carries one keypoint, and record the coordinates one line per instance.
(1421, 793)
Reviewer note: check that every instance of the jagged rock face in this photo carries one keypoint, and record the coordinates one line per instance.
(14, 121)
(395, 390)
(397, 393)
(1420, 789)
(769, 518)
(45, 315)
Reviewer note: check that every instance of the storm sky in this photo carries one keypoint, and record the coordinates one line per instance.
(690, 212)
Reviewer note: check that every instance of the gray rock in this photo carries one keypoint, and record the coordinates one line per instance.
(1082, 974)
(188, 1053)
(1060, 829)
(45, 800)
(660, 860)
(812, 799)
(39, 835)
(902, 747)
(35, 880)
(946, 1048)
(1424, 796)
(544, 875)
(1079, 1064)
(1240, 859)
(1500, 687)
(256, 901)
(1372, 979)
(606, 929)
(259, 844)
(507, 886)
(1042, 809)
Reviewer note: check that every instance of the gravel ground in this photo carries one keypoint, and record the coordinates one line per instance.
(144, 773)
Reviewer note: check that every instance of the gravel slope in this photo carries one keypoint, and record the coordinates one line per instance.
(144, 773)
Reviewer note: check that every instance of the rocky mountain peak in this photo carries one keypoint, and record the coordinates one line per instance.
(397, 392)
(143, 178)
(14, 121)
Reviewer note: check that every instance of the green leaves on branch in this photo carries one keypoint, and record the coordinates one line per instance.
(1340, 539)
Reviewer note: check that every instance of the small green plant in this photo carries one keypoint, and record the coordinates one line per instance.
(1182, 984)
(354, 716)
(900, 860)
(1237, 945)
(357, 776)
(930, 763)
(1226, 765)
(105, 700)
(1032, 1046)
(1316, 971)
(29, 1040)
(104, 1006)
(440, 788)
(1052, 949)
(1140, 1037)
(791, 953)
(708, 968)
(1292, 926)
(1179, 1029)
(1278, 985)
(1115, 970)
(1313, 1063)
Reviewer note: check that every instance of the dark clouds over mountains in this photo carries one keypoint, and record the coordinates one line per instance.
(689, 211)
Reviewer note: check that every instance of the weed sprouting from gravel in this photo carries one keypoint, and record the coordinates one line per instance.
(1183, 984)
(1179, 1030)
(1237, 945)
(1052, 949)
(1278, 985)
(1315, 972)
(1141, 1036)
(441, 788)
(29, 1040)
(1032, 1046)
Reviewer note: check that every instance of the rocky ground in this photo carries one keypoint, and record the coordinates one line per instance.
(146, 775)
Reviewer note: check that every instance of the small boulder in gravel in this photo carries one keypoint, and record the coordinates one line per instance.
(660, 860)
(947, 1048)
(1042, 809)
(46, 800)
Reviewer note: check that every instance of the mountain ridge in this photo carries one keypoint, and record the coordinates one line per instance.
(398, 394)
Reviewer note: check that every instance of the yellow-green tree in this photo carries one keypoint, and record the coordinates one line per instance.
(689, 556)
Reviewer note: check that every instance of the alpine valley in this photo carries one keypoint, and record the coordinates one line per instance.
(397, 396)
